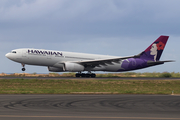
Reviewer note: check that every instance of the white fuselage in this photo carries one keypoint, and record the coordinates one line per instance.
(51, 58)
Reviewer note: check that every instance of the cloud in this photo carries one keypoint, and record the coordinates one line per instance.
(108, 18)
(88, 10)
(99, 11)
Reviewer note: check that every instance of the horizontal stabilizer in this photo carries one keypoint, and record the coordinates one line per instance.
(152, 63)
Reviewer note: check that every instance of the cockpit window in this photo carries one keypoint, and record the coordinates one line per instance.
(13, 52)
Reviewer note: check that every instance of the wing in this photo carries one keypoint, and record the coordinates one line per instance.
(111, 61)
(98, 62)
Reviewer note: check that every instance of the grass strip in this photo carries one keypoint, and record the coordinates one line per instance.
(110, 75)
(37, 86)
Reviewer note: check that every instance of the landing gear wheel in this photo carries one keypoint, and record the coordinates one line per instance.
(88, 75)
(78, 75)
(85, 75)
(93, 75)
(23, 69)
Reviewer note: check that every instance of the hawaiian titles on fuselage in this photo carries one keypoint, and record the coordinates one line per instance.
(44, 52)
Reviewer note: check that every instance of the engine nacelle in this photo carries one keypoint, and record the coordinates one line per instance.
(55, 69)
(73, 67)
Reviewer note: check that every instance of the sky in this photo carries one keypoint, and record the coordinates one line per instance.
(108, 27)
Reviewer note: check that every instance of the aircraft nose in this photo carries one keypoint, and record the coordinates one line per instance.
(8, 55)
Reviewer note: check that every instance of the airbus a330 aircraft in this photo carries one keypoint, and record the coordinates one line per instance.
(60, 61)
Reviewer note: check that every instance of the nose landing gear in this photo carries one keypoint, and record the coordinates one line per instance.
(23, 69)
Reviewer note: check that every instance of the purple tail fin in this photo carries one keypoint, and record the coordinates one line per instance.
(154, 51)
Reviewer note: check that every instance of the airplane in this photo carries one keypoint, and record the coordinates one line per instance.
(61, 61)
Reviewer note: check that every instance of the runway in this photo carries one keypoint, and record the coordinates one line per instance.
(97, 78)
(96, 107)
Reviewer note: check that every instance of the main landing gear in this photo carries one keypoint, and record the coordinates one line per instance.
(87, 75)
(23, 69)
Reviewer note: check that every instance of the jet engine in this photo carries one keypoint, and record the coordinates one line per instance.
(73, 67)
(55, 69)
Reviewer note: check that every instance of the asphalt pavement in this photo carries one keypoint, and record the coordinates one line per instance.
(86, 107)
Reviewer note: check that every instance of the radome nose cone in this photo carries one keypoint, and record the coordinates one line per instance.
(7, 55)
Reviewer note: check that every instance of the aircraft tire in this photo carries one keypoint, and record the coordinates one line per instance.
(88, 75)
(23, 69)
(93, 75)
(83, 75)
(78, 75)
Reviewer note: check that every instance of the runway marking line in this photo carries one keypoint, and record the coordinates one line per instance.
(19, 116)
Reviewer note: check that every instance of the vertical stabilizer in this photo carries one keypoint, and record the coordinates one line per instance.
(155, 50)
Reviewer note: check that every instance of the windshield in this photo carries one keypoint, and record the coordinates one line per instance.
(13, 52)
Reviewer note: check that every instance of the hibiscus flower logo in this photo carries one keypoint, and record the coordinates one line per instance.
(160, 46)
